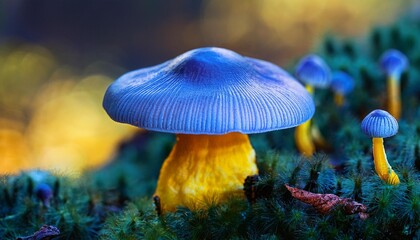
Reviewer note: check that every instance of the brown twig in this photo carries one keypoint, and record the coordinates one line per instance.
(249, 188)
(158, 207)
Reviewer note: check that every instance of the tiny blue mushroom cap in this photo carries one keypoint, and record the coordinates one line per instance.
(43, 191)
(342, 82)
(312, 70)
(209, 91)
(379, 124)
(393, 62)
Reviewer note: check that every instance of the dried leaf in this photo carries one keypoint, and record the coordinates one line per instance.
(44, 233)
(324, 203)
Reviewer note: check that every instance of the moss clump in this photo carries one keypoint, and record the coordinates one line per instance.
(393, 210)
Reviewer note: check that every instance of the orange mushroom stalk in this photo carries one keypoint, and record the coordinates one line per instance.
(224, 163)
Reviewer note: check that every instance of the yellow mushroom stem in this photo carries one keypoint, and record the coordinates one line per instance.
(304, 140)
(303, 136)
(394, 99)
(382, 167)
(339, 99)
(310, 89)
(318, 139)
(204, 169)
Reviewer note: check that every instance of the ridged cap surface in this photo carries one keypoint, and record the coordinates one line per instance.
(312, 70)
(342, 82)
(209, 91)
(393, 62)
(379, 124)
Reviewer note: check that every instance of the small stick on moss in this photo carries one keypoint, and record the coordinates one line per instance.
(324, 203)
(250, 189)
(158, 208)
(44, 233)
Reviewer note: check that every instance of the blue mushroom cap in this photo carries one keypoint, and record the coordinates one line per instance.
(342, 82)
(393, 62)
(379, 124)
(312, 70)
(209, 91)
(43, 191)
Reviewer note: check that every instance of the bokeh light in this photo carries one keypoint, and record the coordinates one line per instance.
(69, 129)
(52, 118)
(280, 30)
(52, 78)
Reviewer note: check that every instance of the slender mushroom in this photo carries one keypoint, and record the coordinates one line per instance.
(44, 193)
(342, 84)
(380, 124)
(394, 63)
(314, 73)
(211, 98)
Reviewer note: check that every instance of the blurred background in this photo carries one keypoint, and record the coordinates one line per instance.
(57, 57)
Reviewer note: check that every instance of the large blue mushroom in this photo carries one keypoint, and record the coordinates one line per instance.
(211, 98)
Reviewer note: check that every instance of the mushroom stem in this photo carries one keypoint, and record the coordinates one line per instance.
(339, 99)
(303, 136)
(318, 139)
(310, 89)
(394, 99)
(382, 167)
(203, 169)
(304, 140)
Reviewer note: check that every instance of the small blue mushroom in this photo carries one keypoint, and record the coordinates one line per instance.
(342, 84)
(380, 124)
(44, 193)
(394, 63)
(211, 98)
(314, 73)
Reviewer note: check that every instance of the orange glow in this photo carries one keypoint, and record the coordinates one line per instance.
(283, 29)
(69, 129)
(51, 118)
(13, 147)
